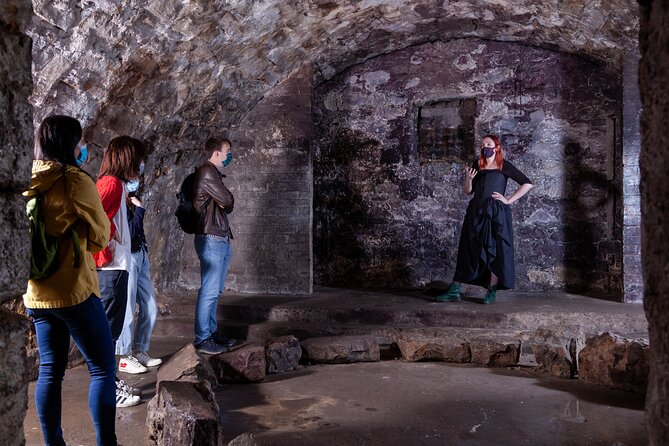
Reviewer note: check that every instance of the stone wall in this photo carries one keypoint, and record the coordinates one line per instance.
(16, 148)
(388, 208)
(654, 162)
(270, 177)
(16, 155)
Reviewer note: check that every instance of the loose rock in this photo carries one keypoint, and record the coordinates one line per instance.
(184, 414)
(612, 361)
(282, 354)
(244, 440)
(245, 364)
(556, 349)
(187, 365)
(341, 350)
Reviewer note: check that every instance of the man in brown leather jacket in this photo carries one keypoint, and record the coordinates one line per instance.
(213, 202)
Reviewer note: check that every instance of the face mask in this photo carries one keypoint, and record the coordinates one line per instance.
(227, 160)
(488, 152)
(132, 186)
(141, 168)
(83, 155)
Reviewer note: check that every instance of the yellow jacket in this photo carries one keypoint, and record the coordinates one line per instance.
(69, 199)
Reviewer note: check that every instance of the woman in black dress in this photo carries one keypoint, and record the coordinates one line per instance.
(485, 253)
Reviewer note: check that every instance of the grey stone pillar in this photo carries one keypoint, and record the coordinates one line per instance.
(632, 270)
(15, 157)
(654, 164)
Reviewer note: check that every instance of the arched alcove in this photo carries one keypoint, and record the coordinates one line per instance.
(393, 136)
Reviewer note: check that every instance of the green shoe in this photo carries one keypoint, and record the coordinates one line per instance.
(490, 296)
(451, 295)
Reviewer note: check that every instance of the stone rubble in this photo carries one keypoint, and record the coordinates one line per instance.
(556, 349)
(243, 364)
(612, 361)
(184, 413)
(187, 365)
(282, 354)
(185, 382)
(244, 440)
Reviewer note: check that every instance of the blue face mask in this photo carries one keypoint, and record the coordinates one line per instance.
(132, 186)
(227, 160)
(83, 155)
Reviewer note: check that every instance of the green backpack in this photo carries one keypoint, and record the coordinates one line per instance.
(44, 246)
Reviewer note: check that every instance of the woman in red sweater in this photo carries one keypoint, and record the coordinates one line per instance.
(120, 164)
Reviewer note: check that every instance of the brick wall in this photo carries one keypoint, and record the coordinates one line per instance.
(271, 180)
(632, 269)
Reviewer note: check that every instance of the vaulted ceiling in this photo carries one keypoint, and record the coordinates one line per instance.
(165, 69)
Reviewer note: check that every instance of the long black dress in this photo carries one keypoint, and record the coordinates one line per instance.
(486, 239)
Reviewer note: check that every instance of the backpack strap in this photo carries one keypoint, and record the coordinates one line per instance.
(72, 229)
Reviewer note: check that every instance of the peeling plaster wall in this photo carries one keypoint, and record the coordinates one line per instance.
(173, 72)
(383, 218)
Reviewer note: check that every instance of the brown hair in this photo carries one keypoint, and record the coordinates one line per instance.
(120, 160)
(215, 143)
(139, 150)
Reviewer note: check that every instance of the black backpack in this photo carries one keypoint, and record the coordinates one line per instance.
(186, 214)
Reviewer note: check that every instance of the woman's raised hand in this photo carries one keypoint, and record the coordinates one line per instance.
(470, 172)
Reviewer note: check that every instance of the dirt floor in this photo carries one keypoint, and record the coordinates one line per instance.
(390, 403)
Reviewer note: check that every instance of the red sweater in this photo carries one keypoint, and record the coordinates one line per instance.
(110, 189)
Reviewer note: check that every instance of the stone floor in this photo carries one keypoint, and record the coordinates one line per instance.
(391, 402)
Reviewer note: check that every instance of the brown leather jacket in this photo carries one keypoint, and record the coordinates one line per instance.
(208, 188)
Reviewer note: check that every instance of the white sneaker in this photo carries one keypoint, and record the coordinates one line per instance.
(147, 360)
(125, 398)
(120, 384)
(130, 364)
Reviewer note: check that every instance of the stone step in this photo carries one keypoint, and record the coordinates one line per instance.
(385, 335)
(512, 311)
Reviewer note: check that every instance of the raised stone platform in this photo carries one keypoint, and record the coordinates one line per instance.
(526, 329)
(332, 312)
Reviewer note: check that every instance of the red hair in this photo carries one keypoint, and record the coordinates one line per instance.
(499, 156)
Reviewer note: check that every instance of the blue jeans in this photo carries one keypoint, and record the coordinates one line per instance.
(214, 254)
(140, 292)
(114, 298)
(87, 323)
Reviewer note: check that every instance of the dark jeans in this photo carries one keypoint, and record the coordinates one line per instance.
(87, 323)
(114, 297)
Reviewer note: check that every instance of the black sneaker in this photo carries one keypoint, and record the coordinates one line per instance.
(211, 347)
(228, 342)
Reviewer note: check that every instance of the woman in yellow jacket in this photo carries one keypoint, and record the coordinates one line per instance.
(66, 302)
